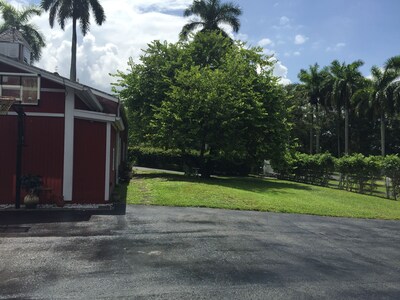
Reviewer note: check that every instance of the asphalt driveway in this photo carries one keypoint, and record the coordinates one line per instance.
(193, 253)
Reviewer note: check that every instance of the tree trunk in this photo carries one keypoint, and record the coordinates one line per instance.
(206, 168)
(383, 136)
(338, 132)
(346, 129)
(72, 75)
(311, 130)
(317, 131)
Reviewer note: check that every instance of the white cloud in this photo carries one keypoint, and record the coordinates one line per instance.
(242, 36)
(296, 53)
(284, 21)
(300, 39)
(265, 42)
(129, 27)
(337, 47)
(281, 71)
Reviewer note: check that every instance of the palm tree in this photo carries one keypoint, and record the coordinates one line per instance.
(77, 10)
(313, 80)
(345, 80)
(211, 13)
(380, 96)
(18, 20)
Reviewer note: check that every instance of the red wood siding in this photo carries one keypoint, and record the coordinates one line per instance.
(7, 68)
(89, 162)
(80, 105)
(110, 107)
(51, 84)
(8, 148)
(43, 154)
(113, 156)
(50, 102)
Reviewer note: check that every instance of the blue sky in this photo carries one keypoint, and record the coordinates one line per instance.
(298, 32)
(343, 30)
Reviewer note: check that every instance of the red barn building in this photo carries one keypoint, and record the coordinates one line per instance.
(75, 137)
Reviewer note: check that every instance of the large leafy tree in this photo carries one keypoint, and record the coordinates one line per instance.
(210, 15)
(345, 80)
(231, 108)
(313, 81)
(380, 96)
(78, 11)
(16, 19)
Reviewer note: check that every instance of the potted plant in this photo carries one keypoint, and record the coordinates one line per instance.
(32, 184)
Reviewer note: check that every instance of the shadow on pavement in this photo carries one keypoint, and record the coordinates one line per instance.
(37, 217)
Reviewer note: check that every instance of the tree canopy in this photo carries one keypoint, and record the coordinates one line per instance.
(19, 20)
(210, 15)
(231, 106)
(78, 11)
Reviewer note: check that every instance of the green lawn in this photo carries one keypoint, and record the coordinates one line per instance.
(256, 194)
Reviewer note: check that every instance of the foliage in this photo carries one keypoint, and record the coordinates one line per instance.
(367, 110)
(176, 161)
(78, 11)
(391, 166)
(18, 20)
(313, 81)
(314, 169)
(379, 96)
(31, 183)
(356, 171)
(211, 13)
(230, 106)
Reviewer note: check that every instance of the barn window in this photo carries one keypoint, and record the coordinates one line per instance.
(23, 87)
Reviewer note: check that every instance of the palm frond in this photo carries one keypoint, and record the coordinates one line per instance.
(189, 28)
(98, 12)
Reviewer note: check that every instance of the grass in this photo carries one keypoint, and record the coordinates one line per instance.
(256, 194)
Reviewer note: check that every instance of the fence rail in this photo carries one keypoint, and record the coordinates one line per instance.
(376, 186)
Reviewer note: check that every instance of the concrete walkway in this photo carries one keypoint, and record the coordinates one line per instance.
(193, 253)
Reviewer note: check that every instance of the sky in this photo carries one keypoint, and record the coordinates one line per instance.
(299, 33)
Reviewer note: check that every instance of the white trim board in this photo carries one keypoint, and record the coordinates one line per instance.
(108, 153)
(69, 145)
(38, 114)
(51, 90)
(94, 116)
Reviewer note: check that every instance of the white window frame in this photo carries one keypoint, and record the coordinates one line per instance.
(20, 87)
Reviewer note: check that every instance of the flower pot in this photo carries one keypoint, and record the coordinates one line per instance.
(31, 201)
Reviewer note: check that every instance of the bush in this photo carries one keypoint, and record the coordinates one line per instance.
(391, 166)
(176, 161)
(314, 169)
(359, 173)
(156, 158)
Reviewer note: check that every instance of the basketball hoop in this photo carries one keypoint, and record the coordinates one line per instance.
(5, 104)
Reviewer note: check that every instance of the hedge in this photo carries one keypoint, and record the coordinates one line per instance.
(174, 160)
(314, 169)
(356, 172)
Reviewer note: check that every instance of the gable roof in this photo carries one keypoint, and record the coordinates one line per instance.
(86, 93)
(12, 35)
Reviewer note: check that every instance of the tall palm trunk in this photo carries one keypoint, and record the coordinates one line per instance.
(383, 134)
(339, 115)
(311, 130)
(346, 129)
(317, 131)
(72, 75)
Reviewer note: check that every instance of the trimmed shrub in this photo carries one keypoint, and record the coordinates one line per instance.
(359, 173)
(175, 161)
(314, 169)
(391, 166)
